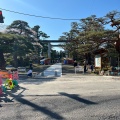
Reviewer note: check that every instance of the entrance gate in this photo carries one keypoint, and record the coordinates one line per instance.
(49, 45)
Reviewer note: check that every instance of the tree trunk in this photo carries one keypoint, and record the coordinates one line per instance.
(2, 60)
(15, 59)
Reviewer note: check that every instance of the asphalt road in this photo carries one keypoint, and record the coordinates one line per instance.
(70, 97)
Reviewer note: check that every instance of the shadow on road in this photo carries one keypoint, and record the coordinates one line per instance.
(77, 98)
(67, 69)
(36, 80)
(44, 110)
(5, 98)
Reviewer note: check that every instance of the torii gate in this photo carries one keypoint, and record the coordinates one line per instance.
(49, 45)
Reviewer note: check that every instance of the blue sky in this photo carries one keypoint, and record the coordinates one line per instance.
(67, 9)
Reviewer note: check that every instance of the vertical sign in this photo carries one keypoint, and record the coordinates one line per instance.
(98, 61)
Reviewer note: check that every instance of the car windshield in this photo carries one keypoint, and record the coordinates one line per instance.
(9, 66)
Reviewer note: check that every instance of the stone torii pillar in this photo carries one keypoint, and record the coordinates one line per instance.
(66, 53)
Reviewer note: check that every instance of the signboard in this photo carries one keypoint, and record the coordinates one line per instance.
(98, 61)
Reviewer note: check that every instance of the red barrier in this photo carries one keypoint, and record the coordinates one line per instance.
(70, 61)
(1, 85)
(4, 74)
(47, 62)
(13, 75)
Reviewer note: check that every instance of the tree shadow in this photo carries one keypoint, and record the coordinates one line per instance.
(16, 88)
(36, 80)
(20, 94)
(66, 70)
(44, 110)
(5, 98)
(77, 98)
(63, 73)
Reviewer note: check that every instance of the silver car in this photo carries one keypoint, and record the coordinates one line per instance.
(9, 67)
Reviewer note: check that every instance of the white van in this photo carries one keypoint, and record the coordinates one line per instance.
(42, 61)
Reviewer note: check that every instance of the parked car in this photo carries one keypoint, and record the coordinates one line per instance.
(42, 62)
(9, 67)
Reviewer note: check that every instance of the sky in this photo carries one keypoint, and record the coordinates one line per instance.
(65, 9)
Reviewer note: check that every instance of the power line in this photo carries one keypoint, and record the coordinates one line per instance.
(36, 15)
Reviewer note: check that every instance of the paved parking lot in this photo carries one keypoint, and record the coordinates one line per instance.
(73, 97)
(69, 97)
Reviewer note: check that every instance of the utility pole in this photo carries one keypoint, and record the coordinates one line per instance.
(49, 50)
